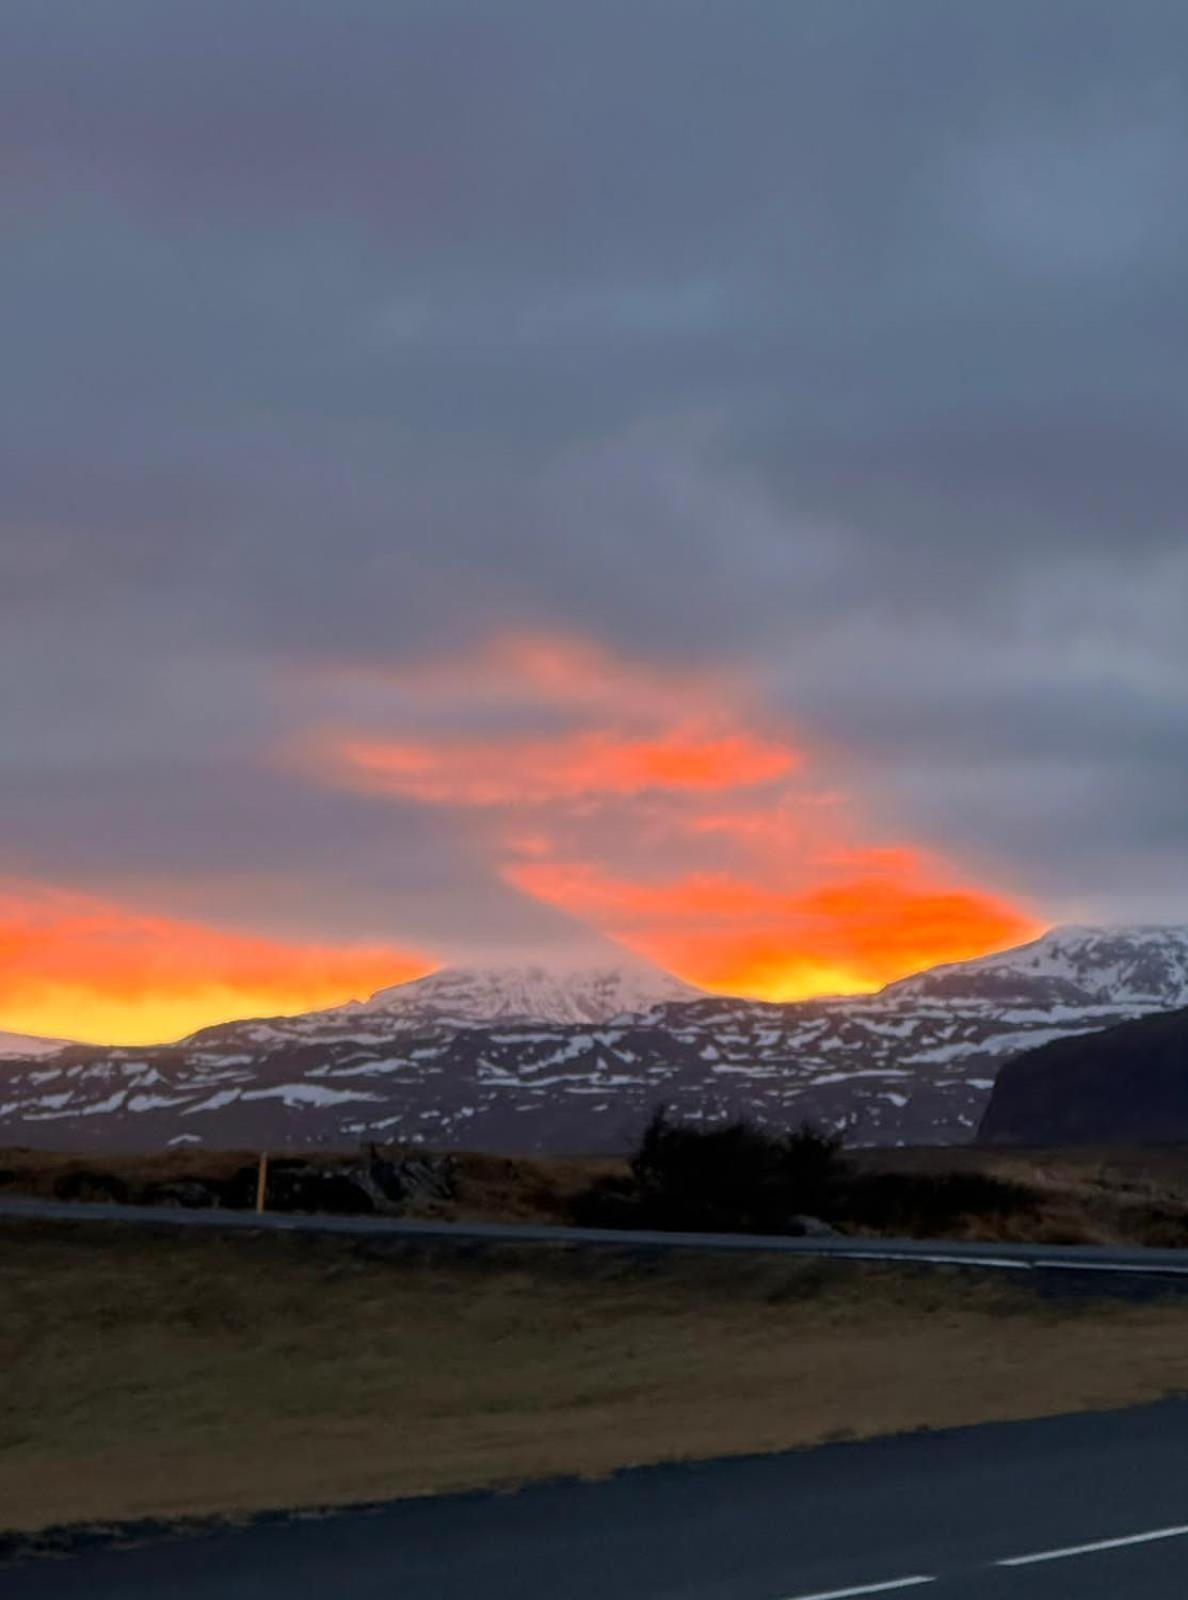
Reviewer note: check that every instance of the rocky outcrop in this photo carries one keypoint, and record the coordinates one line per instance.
(1125, 1085)
(382, 1182)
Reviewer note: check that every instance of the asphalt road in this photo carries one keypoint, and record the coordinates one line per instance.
(1103, 1262)
(1092, 1506)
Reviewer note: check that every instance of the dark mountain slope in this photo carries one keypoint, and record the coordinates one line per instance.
(1124, 1085)
(526, 1059)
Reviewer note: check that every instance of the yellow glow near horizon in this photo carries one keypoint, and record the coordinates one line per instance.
(75, 967)
(85, 1017)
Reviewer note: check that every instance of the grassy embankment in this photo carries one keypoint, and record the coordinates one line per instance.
(1124, 1196)
(151, 1373)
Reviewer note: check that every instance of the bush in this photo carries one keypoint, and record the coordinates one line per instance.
(84, 1184)
(928, 1203)
(738, 1178)
(733, 1177)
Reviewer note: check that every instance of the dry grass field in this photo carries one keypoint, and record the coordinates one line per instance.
(488, 1188)
(1120, 1196)
(163, 1374)
(1125, 1195)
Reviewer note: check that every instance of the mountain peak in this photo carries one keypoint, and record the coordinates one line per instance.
(24, 1044)
(553, 1057)
(1073, 964)
(530, 993)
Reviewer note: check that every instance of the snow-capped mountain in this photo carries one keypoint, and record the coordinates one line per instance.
(463, 997)
(27, 1044)
(467, 995)
(1071, 966)
(527, 1060)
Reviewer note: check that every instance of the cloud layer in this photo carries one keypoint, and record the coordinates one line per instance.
(112, 973)
(677, 819)
(436, 426)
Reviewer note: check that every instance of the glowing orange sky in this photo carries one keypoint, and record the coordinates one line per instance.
(671, 813)
(78, 967)
(678, 820)
(488, 773)
(847, 936)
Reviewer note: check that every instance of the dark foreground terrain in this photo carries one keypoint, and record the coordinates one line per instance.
(177, 1372)
(1122, 1196)
(1087, 1506)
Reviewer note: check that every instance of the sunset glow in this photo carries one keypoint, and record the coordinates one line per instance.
(846, 936)
(532, 772)
(675, 817)
(480, 486)
(672, 814)
(78, 967)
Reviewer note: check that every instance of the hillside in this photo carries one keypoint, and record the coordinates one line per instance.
(1073, 967)
(493, 1059)
(1128, 1084)
(26, 1045)
(465, 997)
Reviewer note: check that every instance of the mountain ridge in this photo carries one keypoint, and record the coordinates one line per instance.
(915, 1063)
(469, 995)
(29, 1044)
(1085, 965)
(1126, 1084)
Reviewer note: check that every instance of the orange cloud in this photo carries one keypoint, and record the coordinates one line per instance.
(846, 936)
(759, 874)
(78, 967)
(546, 670)
(487, 772)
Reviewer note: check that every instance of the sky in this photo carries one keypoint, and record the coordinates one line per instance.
(482, 481)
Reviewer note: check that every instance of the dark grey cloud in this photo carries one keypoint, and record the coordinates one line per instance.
(841, 342)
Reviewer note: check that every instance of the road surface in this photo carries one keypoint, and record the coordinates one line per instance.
(1093, 1507)
(1105, 1262)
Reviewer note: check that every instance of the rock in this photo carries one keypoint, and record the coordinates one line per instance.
(812, 1228)
(394, 1181)
(372, 1183)
(298, 1186)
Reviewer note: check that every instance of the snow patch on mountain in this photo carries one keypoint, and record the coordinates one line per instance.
(23, 1044)
(462, 997)
(530, 994)
(520, 1059)
(1068, 967)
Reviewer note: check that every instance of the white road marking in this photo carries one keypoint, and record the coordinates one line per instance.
(1099, 1544)
(932, 1259)
(1163, 1270)
(866, 1588)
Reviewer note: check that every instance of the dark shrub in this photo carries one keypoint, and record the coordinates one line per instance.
(736, 1177)
(295, 1186)
(608, 1203)
(86, 1185)
(729, 1177)
(195, 1194)
(928, 1203)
